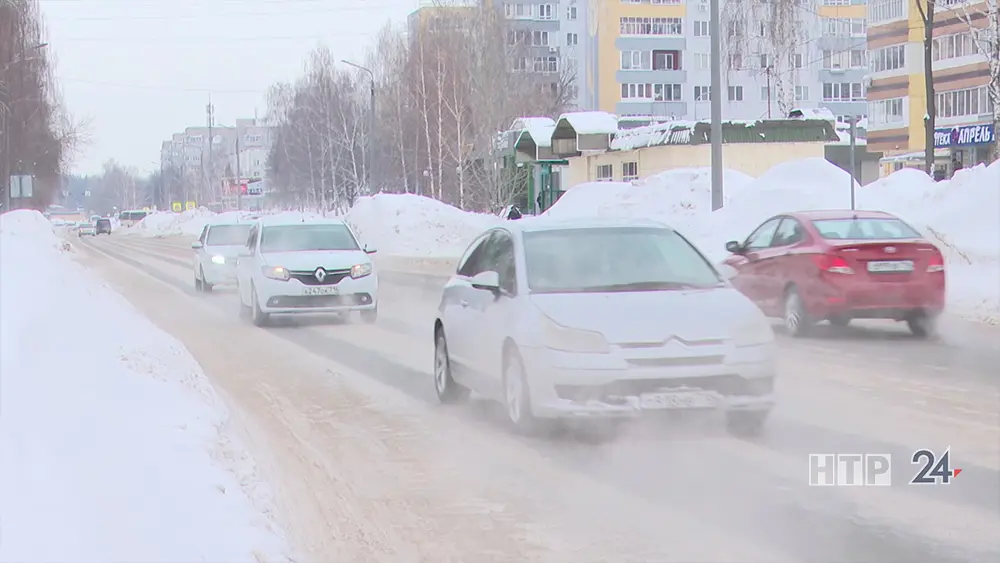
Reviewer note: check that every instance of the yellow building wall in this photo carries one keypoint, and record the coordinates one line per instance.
(918, 98)
(854, 11)
(751, 159)
(609, 14)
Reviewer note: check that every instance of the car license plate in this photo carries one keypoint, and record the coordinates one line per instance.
(891, 266)
(685, 400)
(320, 291)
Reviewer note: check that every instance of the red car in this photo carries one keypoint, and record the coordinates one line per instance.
(840, 265)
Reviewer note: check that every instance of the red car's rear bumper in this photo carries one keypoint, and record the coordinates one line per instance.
(878, 300)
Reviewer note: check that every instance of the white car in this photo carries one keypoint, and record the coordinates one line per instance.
(600, 320)
(305, 266)
(215, 254)
(87, 229)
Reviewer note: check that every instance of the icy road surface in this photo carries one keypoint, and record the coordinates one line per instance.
(366, 467)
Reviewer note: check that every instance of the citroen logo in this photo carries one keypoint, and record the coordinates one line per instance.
(890, 249)
(320, 274)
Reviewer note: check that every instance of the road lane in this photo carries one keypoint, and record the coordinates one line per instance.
(762, 482)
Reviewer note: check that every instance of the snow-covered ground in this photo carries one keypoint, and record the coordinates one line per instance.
(961, 215)
(113, 444)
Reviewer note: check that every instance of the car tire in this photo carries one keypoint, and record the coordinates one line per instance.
(448, 391)
(840, 321)
(370, 316)
(923, 325)
(746, 424)
(796, 319)
(205, 286)
(259, 318)
(517, 396)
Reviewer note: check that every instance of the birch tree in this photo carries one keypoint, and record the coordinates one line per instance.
(983, 19)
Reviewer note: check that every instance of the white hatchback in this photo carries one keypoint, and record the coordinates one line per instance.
(215, 254)
(306, 266)
(598, 320)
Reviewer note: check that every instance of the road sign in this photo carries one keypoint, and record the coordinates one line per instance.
(177, 206)
(190, 206)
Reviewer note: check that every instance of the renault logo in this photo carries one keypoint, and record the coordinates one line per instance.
(320, 274)
(890, 249)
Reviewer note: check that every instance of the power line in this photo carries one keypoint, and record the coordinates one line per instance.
(227, 15)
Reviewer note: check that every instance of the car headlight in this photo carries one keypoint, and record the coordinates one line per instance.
(753, 332)
(565, 339)
(219, 260)
(275, 273)
(361, 270)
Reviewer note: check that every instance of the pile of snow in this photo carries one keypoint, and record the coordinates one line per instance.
(110, 429)
(412, 225)
(166, 223)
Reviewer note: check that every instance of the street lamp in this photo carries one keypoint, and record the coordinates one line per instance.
(370, 141)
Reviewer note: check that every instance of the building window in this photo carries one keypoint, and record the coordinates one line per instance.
(702, 93)
(546, 12)
(843, 92)
(630, 171)
(765, 61)
(637, 91)
(605, 173)
(735, 62)
(546, 64)
(703, 61)
(844, 59)
(637, 60)
(967, 102)
(765, 93)
(881, 11)
(701, 29)
(666, 60)
(540, 38)
(886, 112)
(892, 57)
(797, 60)
(651, 26)
(844, 27)
(519, 11)
(801, 93)
(954, 46)
(836, 2)
(519, 64)
(572, 39)
(571, 13)
(735, 93)
(666, 92)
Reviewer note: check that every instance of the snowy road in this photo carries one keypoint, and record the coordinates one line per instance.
(366, 468)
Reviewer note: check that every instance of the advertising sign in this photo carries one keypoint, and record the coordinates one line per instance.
(964, 136)
(177, 207)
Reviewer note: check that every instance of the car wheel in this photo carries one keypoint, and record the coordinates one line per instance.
(370, 316)
(517, 396)
(840, 320)
(448, 392)
(259, 318)
(746, 423)
(922, 324)
(797, 322)
(205, 286)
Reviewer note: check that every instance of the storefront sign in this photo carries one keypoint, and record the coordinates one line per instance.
(965, 136)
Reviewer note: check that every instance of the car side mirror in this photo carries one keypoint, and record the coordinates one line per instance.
(197, 244)
(734, 247)
(486, 281)
(370, 249)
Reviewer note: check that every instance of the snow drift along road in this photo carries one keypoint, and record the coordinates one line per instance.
(113, 444)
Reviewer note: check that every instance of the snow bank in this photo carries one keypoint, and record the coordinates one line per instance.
(110, 429)
(412, 225)
(166, 223)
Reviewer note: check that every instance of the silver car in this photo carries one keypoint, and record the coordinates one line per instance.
(215, 254)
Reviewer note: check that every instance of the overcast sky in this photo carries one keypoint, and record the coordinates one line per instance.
(141, 70)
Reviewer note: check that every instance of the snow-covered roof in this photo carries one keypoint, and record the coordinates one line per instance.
(812, 113)
(591, 122)
(683, 132)
(540, 129)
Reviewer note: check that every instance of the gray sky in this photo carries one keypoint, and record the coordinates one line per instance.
(141, 70)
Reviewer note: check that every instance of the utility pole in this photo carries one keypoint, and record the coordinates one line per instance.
(207, 171)
(768, 72)
(926, 9)
(853, 120)
(370, 140)
(239, 175)
(715, 96)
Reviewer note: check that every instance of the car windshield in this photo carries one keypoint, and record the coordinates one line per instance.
(614, 259)
(103, 222)
(865, 229)
(307, 237)
(228, 235)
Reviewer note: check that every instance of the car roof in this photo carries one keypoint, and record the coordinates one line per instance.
(295, 221)
(543, 223)
(821, 214)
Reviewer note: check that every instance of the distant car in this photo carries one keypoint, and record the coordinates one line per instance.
(293, 266)
(840, 265)
(597, 321)
(216, 251)
(86, 229)
(103, 226)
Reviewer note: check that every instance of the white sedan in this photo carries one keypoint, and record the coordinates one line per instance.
(314, 266)
(215, 254)
(600, 321)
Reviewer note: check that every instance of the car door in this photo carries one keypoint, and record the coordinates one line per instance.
(491, 314)
(775, 264)
(745, 263)
(199, 253)
(455, 301)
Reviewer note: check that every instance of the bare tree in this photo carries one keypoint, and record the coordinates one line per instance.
(983, 19)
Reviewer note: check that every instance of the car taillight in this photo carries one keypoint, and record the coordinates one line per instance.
(833, 264)
(936, 263)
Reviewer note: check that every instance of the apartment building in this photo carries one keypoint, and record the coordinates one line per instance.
(654, 58)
